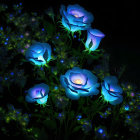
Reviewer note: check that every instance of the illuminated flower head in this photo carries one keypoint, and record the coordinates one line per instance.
(111, 91)
(39, 53)
(79, 82)
(94, 37)
(38, 93)
(75, 18)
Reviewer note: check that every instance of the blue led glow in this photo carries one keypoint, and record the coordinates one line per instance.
(41, 68)
(62, 61)
(5, 43)
(60, 115)
(101, 116)
(79, 117)
(6, 78)
(12, 73)
(55, 87)
(100, 131)
(43, 29)
(126, 107)
(57, 37)
(105, 113)
(21, 36)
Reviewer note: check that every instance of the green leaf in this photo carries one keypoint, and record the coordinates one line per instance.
(77, 128)
(50, 124)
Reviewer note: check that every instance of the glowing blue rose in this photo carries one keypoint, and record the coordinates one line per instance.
(39, 53)
(38, 93)
(111, 91)
(75, 18)
(94, 37)
(79, 82)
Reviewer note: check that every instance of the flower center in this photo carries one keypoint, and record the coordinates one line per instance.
(78, 81)
(111, 89)
(76, 16)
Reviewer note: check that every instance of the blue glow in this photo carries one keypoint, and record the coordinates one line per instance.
(12, 73)
(126, 107)
(18, 112)
(38, 93)
(105, 113)
(21, 36)
(101, 116)
(111, 91)
(60, 115)
(79, 82)
(94, 36)
(41, 68)
(39, 53)
(75, 18)
(74, 36)
(5, 43)
(55, 87)
(79, 117)
(1, 28)
(57, 37)
(43, 29)
(6, 78)
(7, 39)
(62, 61)
(100, 131)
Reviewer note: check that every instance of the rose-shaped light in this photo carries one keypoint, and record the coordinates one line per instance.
(75, 18)
(39, 53)
(111, 91)
(79, 82)
(94, 37)
(38, 93)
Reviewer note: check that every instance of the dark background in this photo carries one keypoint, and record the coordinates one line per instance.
(117, 19)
